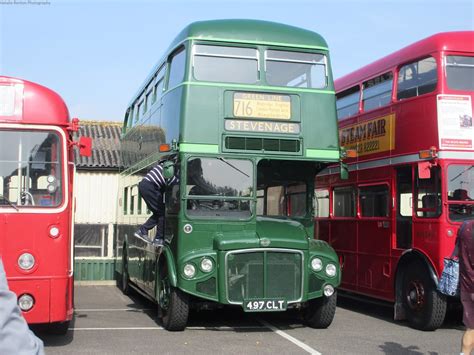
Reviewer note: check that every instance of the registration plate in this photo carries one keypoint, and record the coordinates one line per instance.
(268, 305)
(262, 106)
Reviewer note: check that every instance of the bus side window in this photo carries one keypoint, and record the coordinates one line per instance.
(177, 68)
(344, 202)
(347, 102)
(417, 78)
(321, 203)
(276, 202)
(373, 201)
(377, 92)
(428, 195)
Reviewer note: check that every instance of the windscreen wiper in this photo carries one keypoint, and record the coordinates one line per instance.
(3, 198)
(462, 172)
(232, 166)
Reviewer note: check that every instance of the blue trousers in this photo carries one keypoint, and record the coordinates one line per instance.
(153, 197)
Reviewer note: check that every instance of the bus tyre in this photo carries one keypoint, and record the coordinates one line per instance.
(59, 328)
(320, 312)
(125, 280)
(425, 307)
(174, 308)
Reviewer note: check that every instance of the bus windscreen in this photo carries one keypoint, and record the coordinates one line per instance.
(30, 168)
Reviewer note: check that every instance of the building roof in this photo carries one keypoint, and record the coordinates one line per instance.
(105, 145)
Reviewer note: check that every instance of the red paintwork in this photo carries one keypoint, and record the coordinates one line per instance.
(367, 246)
(462, 41)
(50, 282)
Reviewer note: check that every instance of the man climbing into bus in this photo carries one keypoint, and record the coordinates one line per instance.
(152, 188)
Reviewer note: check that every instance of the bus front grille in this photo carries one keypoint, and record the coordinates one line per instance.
(264, 274)
(263, 144)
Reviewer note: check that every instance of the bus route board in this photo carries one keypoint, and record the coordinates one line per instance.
(253, 105)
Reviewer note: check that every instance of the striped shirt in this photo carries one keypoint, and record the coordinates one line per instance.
(156, 177)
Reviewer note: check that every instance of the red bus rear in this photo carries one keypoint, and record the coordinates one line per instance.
(409, 116)
(36, 200)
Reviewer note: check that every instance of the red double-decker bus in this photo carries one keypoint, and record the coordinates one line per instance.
(36, 200)
(409, 116)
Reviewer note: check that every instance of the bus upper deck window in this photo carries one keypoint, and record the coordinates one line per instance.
(225, 64)
(377, 92)
(177, 68)
(417, 78)
(460, 72)
(296, 69)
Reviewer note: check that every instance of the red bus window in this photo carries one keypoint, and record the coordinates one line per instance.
(417, 78)
(373, 201)
(321, 203)
(460, 72)
(460, 191)
(347, 102)
(377, 92)
(428, 195)
(344, 202)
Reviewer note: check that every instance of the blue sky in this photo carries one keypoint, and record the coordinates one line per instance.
(95, 54)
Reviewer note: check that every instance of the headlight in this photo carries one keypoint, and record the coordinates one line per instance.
(189, 271)
(316, 264)
(331, 270)
(26, 261)
(328, 290)
(207, 265)
(26, 302)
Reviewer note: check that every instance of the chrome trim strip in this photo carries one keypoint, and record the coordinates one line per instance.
(261, 250)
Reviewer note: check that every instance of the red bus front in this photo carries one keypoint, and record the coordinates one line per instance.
(36, 202)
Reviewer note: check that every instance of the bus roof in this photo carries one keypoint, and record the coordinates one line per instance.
(251, 31)
(240, 31)
(31, 103)
(462, 41)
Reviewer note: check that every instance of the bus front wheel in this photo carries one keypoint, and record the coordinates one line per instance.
(425, 307)
(320, 312)
(173, 306)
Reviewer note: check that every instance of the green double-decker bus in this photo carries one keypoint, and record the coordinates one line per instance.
(243, 112)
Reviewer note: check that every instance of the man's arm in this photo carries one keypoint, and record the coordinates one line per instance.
(15, 336)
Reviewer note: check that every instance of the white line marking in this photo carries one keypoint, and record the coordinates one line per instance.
(112, 309)
(120, 328)
(161, 328)
(290, 338)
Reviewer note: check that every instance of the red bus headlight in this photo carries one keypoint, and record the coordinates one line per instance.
(26, 302)
(26, 261)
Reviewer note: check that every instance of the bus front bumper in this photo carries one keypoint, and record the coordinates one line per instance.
(52, 298)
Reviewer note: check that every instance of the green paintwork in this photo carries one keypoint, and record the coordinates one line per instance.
(192, 115)
(94, 269)
(198, 148)
(322, 154)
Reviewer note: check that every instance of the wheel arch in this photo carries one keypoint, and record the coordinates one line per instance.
(408, 257)
(166, 257)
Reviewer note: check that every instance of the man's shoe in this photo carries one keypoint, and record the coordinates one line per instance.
(158, 242)
(140, 234)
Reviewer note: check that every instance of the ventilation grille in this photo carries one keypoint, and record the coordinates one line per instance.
(263, 144)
